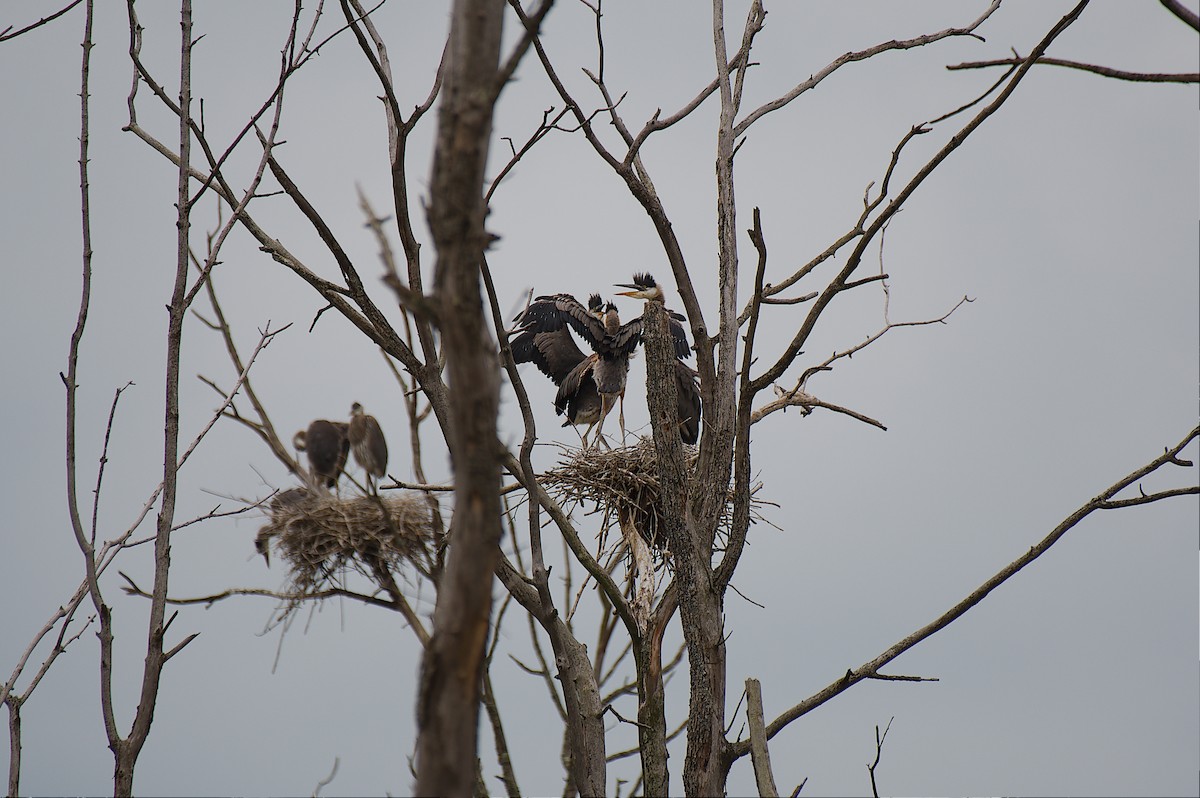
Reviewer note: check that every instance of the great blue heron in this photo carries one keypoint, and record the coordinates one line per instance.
(327, 446)
(555, 354)
(687, 390)
(368, 444)
(612, 343)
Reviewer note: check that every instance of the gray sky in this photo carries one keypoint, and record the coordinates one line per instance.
(1070, 218)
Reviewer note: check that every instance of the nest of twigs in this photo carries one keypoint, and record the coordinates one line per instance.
(624, 484)
(320, 536)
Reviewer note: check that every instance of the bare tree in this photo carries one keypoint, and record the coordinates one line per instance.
(683, 515)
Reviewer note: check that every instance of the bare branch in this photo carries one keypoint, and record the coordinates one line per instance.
(533, 22)
(870, 670)
(798, 397)
(879, 738)
(862, 55)
(9, 33)
(1108, 72)
(131, 588)
(854, 260)
(889, 677)
(1148, 498)
(325, 782)
(1183, 12)
(547, 125)
(508, 775)
(754, 24)
(759, 754)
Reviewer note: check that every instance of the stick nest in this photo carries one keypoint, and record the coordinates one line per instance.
(321, 536)
(625, 481)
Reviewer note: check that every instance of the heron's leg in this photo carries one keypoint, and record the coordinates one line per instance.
(605, 408)
(621, 416)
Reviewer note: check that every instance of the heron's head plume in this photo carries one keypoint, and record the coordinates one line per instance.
(612, 321)
(642, 287)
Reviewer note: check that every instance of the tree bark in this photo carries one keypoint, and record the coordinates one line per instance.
(14, 744)
(700, 603)
(584, 739)
(759, 753)
(652, 710)
(127, 751)
(452, 669)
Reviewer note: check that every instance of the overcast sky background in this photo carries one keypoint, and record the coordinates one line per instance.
(1070, 218)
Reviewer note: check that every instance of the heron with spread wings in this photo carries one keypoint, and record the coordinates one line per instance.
(585, 381)
(557, 356)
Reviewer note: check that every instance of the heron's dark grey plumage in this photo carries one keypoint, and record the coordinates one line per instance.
(326, 444)
(556, 355)
(687, 402)
(543, 337)
(367, 443)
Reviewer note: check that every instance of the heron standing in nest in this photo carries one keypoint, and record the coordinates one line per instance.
(687, 389)
(368, 444)
(612, 343)
(326, 443)
(555, 354)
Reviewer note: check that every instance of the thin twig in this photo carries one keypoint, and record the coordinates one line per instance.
(879, 738)
(1108, 72)
(9, 33)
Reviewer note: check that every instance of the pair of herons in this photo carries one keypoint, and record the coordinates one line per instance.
(590, 385)
(329, 443)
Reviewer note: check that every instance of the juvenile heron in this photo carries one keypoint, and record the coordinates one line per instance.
(687, 390)
(612, 343)
(327, 445)
(368, 444)
(556, 355)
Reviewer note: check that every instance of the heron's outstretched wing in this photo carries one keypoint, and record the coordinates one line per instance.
(577, 393)
(630, 335)
(554, 352)
(679, 334)
(555, 312)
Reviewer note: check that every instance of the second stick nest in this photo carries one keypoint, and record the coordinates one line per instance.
(320, 536)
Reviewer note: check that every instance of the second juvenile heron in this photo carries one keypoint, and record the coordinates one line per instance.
(555, 354)
(367, 443)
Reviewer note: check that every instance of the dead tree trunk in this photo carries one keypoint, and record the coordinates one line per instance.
(700, 601)
(652, 711)
(451, 673)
